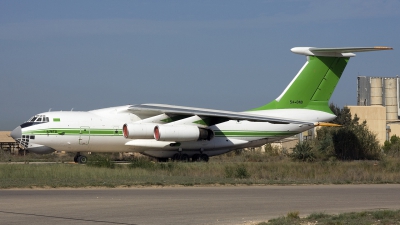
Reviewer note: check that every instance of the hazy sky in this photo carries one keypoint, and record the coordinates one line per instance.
(230, 55)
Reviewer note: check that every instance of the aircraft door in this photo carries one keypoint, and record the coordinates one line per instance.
(84, 135)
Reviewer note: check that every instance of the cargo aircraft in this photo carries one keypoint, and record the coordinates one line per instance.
(187, 133)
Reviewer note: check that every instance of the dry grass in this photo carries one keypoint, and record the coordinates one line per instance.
(221, 171)
(366, 217)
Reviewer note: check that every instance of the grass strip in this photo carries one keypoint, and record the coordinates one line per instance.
(366, 217)
(146, 173)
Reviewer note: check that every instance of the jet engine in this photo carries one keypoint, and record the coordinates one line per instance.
(138, 131)
(182, 133)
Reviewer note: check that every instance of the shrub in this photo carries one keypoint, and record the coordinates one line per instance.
(141, 162)
(238, 171)
(241, 172)
(293, 215)
(272, 150)
(317, 216)
(167, 166)
(303, 152)
(384, 214)
(324, 143)
(392, 147)
(101, 161)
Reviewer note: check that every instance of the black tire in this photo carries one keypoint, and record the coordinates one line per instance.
(82, 159)
(196, 158)
(176, 157)
(184, 158)
(76, 157)
(204, 157)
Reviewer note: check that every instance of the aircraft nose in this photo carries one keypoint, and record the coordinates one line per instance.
(16, 133)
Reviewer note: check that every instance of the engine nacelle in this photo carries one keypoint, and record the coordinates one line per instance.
(182, 133)
(138, 131)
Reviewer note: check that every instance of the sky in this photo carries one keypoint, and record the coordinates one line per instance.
(229, 55)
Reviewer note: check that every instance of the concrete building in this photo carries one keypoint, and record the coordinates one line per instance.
(376, 119)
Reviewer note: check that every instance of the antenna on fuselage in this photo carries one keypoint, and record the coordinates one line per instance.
(49, 109)
(72, 109)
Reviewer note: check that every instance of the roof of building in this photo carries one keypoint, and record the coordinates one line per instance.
(5, 136)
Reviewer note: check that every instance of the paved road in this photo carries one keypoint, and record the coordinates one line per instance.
(188, 205)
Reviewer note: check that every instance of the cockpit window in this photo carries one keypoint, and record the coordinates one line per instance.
(39, 118)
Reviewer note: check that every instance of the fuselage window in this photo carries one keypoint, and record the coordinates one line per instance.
(32, 137)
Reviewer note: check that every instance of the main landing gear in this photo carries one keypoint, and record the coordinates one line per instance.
(81, 159)
(185, 158)
(200, 158)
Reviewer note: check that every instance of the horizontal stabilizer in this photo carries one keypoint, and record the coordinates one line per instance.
(336, 52)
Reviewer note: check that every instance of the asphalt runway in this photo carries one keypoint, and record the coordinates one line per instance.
(188, 205)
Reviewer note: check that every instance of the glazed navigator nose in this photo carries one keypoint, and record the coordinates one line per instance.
(16, 133)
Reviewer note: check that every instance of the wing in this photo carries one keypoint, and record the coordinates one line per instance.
(216, 116)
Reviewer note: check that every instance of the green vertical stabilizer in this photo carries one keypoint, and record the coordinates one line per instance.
(313, 85)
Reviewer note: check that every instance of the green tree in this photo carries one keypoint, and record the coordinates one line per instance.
(351, 141)
(392, 147)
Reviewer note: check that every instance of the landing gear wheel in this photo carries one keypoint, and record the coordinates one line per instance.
(200, 158)
(176, 157)
(204, 157)
(162, 159)
(196, 158)
(82, 159)
(180, 157)
(77, 156)
(184, 158)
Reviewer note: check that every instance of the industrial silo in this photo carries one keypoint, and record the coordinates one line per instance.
(376, 91)
(391, 98)
(363, 91)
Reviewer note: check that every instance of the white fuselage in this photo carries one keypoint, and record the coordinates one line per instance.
(101, 131)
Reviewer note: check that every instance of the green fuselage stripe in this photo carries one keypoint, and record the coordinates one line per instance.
(75, 131)
(118, 132)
